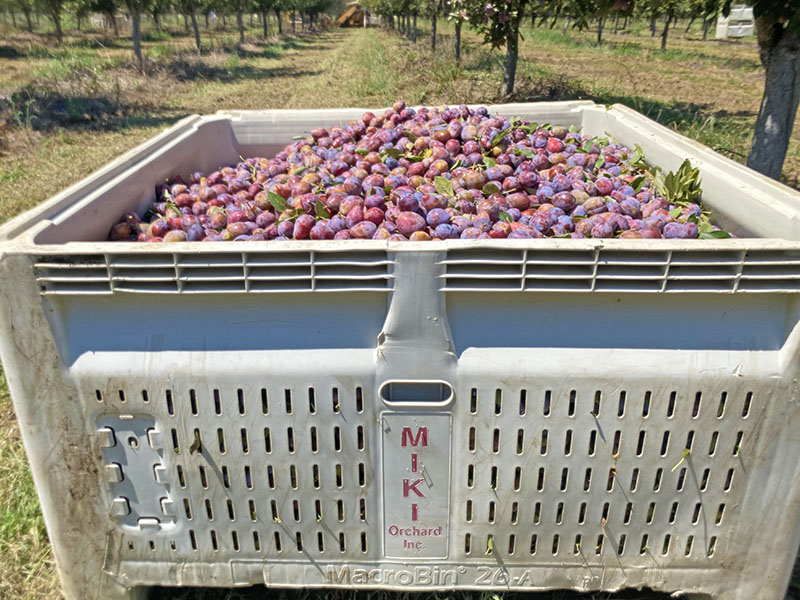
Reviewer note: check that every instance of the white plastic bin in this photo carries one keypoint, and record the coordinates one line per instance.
(509, 414)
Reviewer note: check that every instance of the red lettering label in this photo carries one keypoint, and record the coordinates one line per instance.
(407, 438)
(414, 462)
(412, 486)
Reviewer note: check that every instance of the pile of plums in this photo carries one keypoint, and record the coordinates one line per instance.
(426, 174)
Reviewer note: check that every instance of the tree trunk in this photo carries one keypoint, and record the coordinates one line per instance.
(14, 19)
(689, 26)
(205, 16)
(115, 25)
(706, 25)
(780, 54)
(433, 32)
(666, 31)
(264, 22)
(157, 21)
(566, 24)
(55, 15)
(240, 23)
(135, 35)
(280, 25)
(291, 16)
(415, 28)
(186, 22)
(652, 27)
(510, 64)
(408, 26)
(195, 28)
(616, 23)
(251, 19)
(600, 30)
(28, 20)
(458, 41)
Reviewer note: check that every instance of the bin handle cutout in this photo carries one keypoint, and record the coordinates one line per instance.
(414, 392)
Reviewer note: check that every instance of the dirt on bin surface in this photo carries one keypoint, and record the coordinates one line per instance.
(64, 112)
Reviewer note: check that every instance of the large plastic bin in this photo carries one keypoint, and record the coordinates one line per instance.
(503, 415)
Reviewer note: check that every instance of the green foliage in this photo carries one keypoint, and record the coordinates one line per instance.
(681, 186)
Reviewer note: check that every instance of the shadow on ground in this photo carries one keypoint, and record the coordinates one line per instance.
(260, 592)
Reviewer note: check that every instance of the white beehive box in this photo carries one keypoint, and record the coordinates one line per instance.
(738, 24)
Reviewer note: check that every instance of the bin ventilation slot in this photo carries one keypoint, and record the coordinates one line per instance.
(214, 273)
(573, 470)
(238, 477)
(620, 271)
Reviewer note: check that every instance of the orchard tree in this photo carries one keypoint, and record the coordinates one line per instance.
(54, 9)
(240, 6)
(314, 8)
(264, 7)
(135, 10)
(458, 15)
(498, 22)
(705, 10)
(107, 8)
(158, 8)
(434, 8)
(26, 7)
(190, 8)
(778, 31)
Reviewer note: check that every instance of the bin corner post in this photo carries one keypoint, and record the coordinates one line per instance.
(60, 448)
(767, 564)
(415, 342)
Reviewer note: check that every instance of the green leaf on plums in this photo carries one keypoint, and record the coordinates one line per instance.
(599, 162)
(444, 186)
(573, 129)
(526, 152)
(321, 210)
(410, 136)
(587, 147)
(681, 186)
(500, 136)
(504, 216)
(546, 126)
(636, 159)
(297, 137)
(637, 183)
(390, 153)
(456, 165)
(715, 235)
(705, 227)
(490, 188)
(676, 212)
(277, 201)
(362, 151)
(489, 162)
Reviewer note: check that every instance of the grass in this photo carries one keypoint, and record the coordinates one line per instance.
(68, 111)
